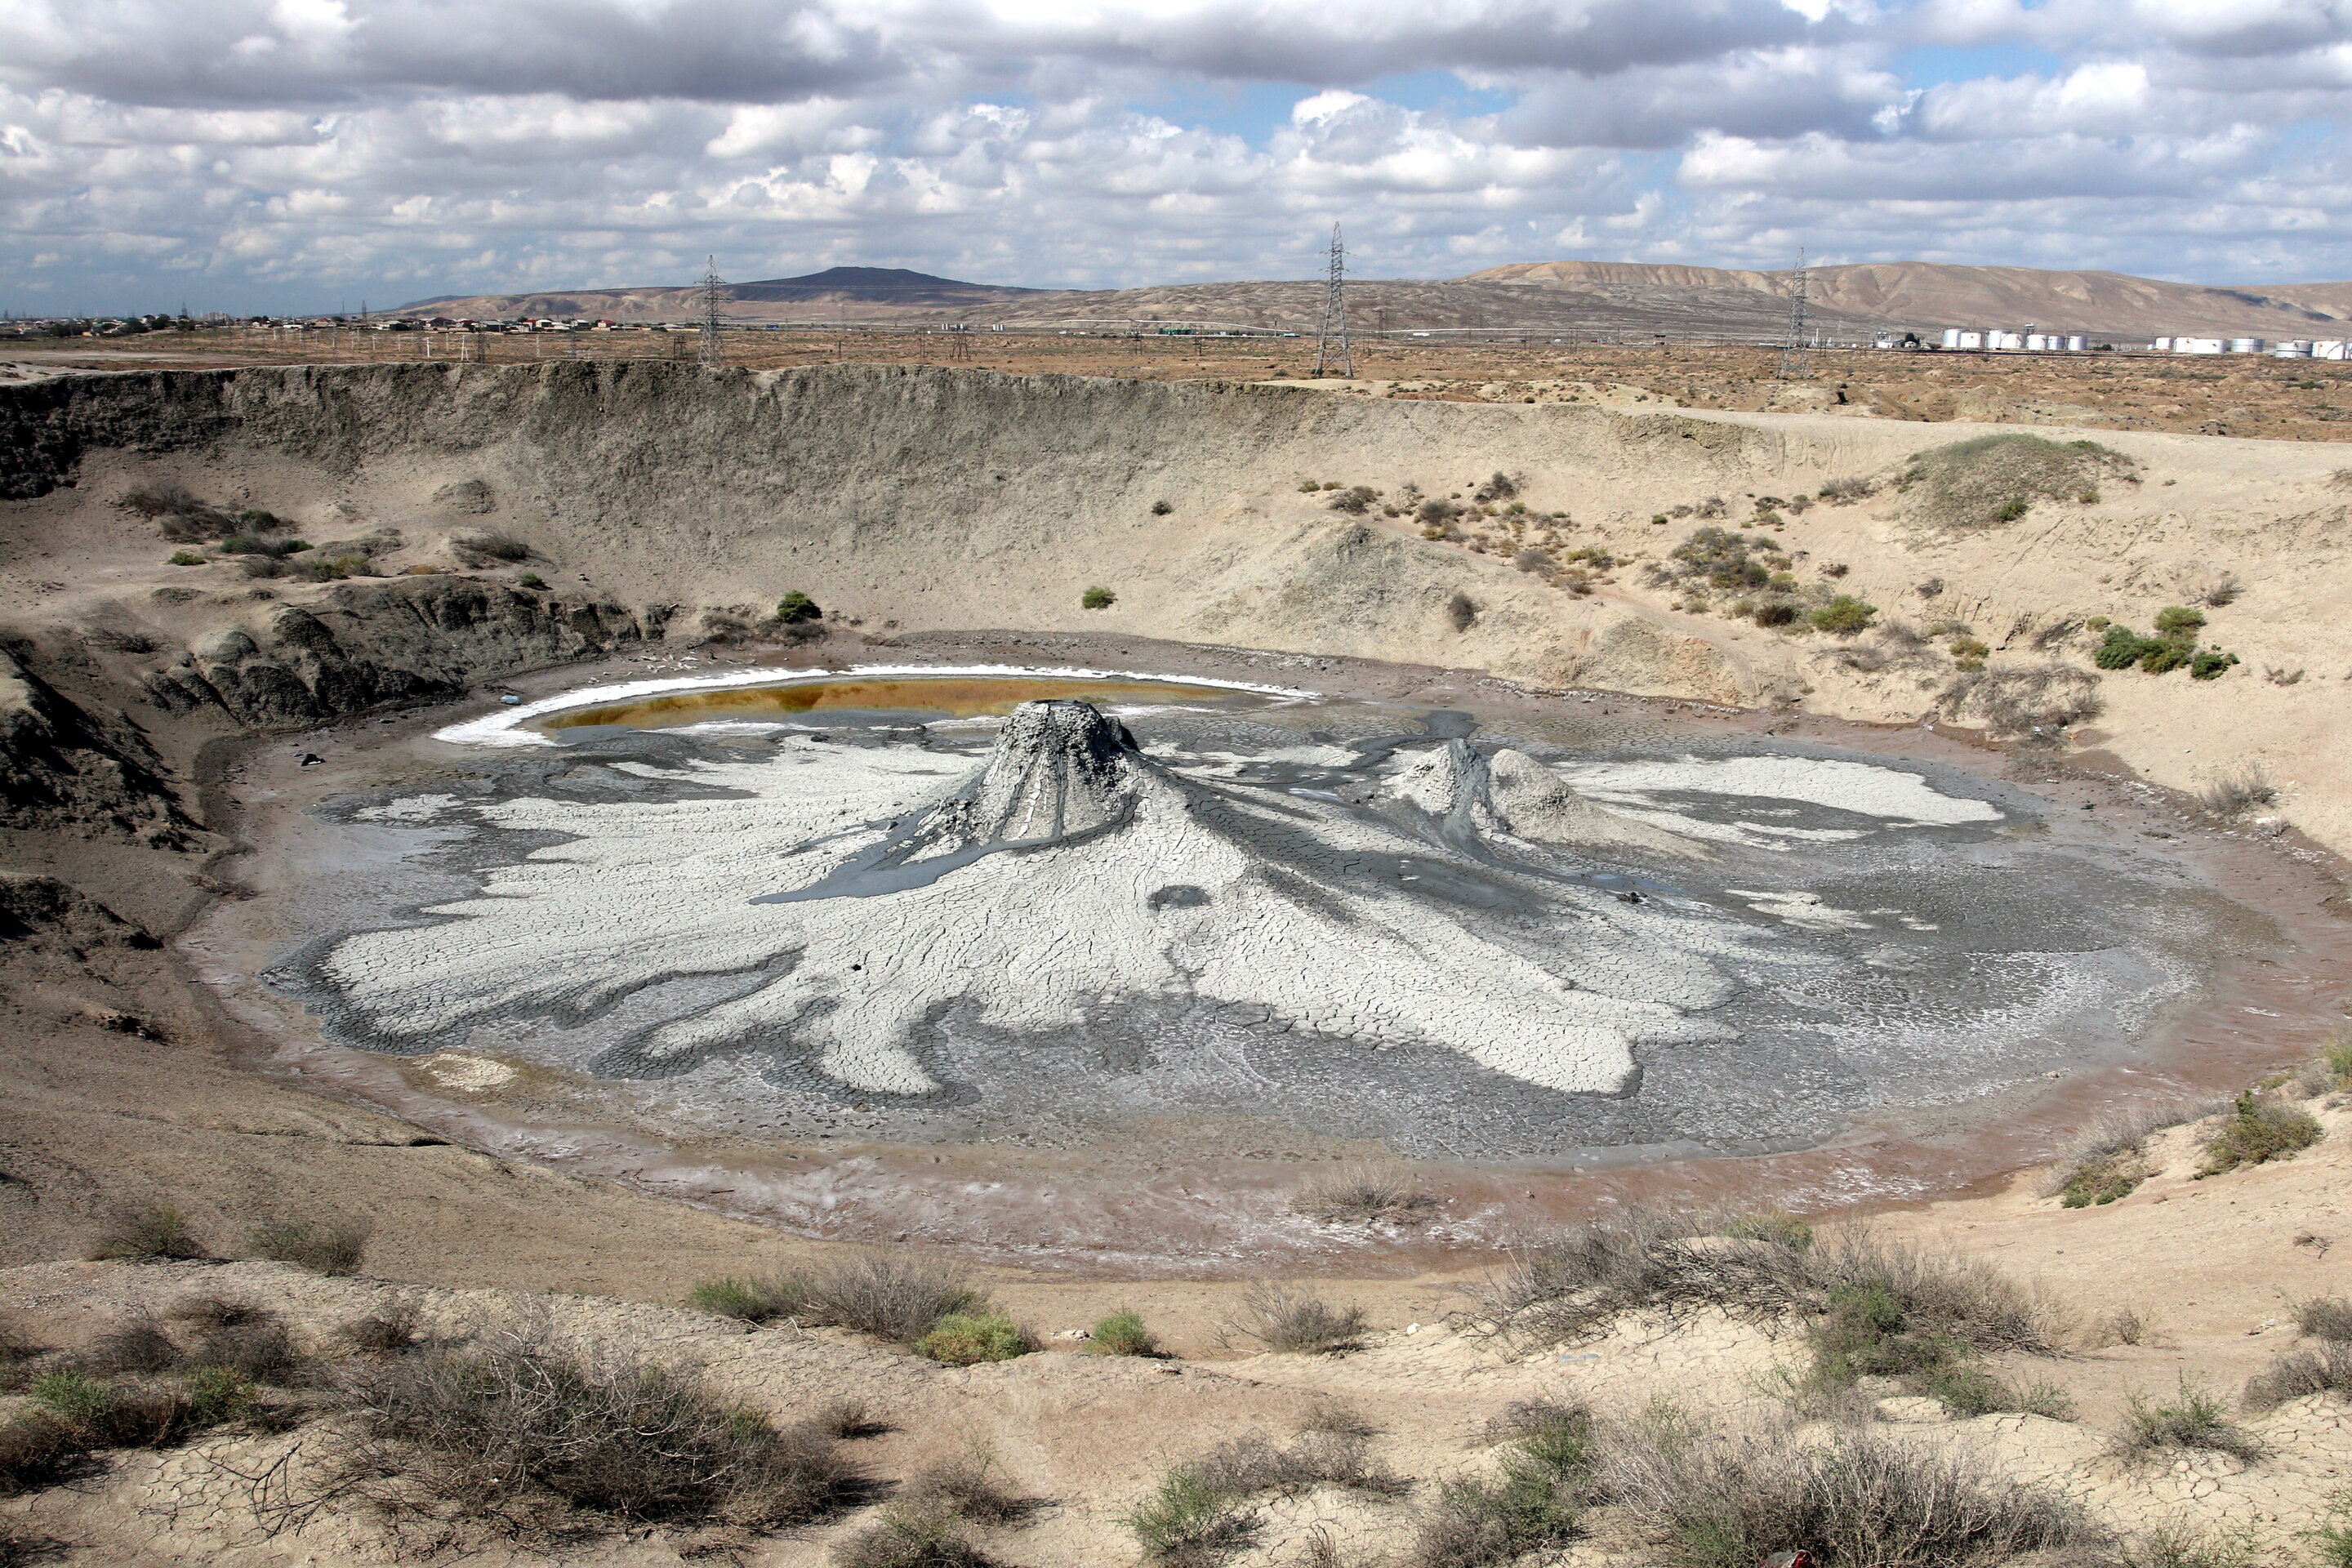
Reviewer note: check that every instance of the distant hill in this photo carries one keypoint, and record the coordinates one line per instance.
(1610, 299)
(1926, 294)
(865, 293)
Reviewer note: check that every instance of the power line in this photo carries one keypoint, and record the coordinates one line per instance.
(712, 353)
(1331, 343)
(1796, 364)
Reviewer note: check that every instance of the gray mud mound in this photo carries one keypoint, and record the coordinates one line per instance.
(1457, 946)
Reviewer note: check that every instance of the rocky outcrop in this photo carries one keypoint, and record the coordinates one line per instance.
(60, 769)
(373, 643)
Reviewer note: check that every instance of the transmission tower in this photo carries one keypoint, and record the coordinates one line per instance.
(1331, 343)
(1796, 364)
(713, 352)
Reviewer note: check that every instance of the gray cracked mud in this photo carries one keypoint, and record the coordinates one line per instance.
(1457, 947)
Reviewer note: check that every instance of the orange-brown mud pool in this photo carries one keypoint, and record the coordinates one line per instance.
(948, 696)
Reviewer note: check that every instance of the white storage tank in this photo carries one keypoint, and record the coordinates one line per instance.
(1970, 340)
(2198, 345)
(2037, 343)
(2161, 345)
(2328, 347)
(2076, 343)
(1952, 336)
(2006, 341)
(2246, 346)
(2297, 350)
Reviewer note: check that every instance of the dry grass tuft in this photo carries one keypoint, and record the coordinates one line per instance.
(146, 1232)
(1995, 479)
(333, 1247)
(1286, 1319)
(2191, 1420)
(1363, 1195)
(2297, 1373)
(1856, 1499)
(2107, 1159)
(2026, 700)
(2238, 792)
(1200, 1509)
(518, 1434)
(892, 1297)
(2325, 1318)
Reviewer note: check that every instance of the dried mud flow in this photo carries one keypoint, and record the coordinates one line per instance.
(779, 966)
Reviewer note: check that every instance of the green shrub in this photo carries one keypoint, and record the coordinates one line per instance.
(1543, 1485)
(2164, 657)
(2179, 621)
(186, 558)
(331, 1247)
(2013, 509)
(1098, 598)
(892, 1297)
(1123, 1333)
(1966, 1389)
(532, 580)
(2193, 1420)
(795, 607)
(1190, 1518)
(2104, 1180)
(2333, 1539)
(1843, 615)
(962, 1338)
(2261, 1128)
(919, 1533)
(145, 1232)
(2121, 649)
(218, 1394)
(2209, 664)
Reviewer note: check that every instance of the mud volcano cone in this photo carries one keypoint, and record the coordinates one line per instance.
(1059, 767)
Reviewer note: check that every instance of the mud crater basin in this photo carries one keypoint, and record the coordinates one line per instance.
(1076, 910)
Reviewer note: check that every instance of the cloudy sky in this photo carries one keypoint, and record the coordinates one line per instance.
(295, 155)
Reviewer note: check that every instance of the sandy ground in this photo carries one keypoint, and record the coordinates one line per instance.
(2213, 1268)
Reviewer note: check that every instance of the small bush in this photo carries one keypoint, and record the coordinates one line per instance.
(144, 1233)
(36, 1448)
(1362, 1194)
(254, 544)
(2261, 1128)
(101, 1414)
(2326, 1370)
(333, 1247)
(2179, 621)
(2193, 1420)
(1123, 1333)
(2210, 664)
(1544, 1482)
(391, 1330)
(2325, 1318)
(479, 1430)
(532, 580)
(1966, 1389)
(1499, 487)
(912, 1534)
(238, 1335)
(478, 548)
(1162, 508)
(163, 497)
(2104, 1180)
(1098, 598)
(891, 1297)
(138, 1346)
(795, 607)
(849, 1418)
(2237, 792)
(1287, 1319)
(970, 1487)
(1858, 1497)
(1189, 1519)
(962, 1338)
(751, 1300)
(1996, 479)
(1200, 1509)
(186, 558)
(1846, 491)
(218, 1394)
(1356, 499)
(2026, 700)
(1340, 1416)
(2334, 1538)
(1843, 615)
